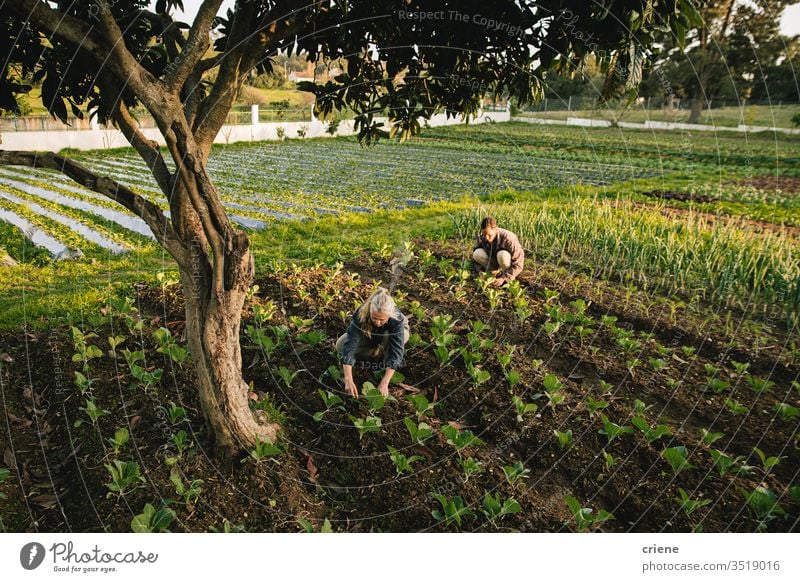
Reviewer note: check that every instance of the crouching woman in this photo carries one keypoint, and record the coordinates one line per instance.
(378, 331)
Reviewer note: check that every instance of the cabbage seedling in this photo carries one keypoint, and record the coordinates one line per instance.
(264, 450)
(189, 491)
(717, 386)
(330, 400)
(564, 439)
(421, 405)
(176, 413)
(287, 375)
(759, 385)
(677, 457)
(651, 435)
(763, 505)
(612, 430)
(787, 412)
(724, 462)
(152, 520)
(125, 477)
(460, 439)
(93, 411)
(453, 510)
(523, 407)
(470, 467)
(419, 432)
(593, 406)
(689, 505)
(515, 473)
(494, 508)
(401, 462)
(375, 400)
(709, 437)
(584, 516)
(120, 439)
(767, 462)
(366, 425)
(734, 406)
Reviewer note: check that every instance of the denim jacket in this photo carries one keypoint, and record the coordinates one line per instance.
(390, 336)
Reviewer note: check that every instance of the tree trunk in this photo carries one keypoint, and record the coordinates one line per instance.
(212, 328)
(697, 109)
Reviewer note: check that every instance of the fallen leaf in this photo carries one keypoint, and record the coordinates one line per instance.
(19, 423)
(8, 458)
(46, 500)
(135, 421)
(458, 426)
(4, 357)
(408, 387)
(312, 470)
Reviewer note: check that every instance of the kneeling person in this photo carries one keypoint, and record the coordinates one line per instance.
(499, 250)
(377, 329)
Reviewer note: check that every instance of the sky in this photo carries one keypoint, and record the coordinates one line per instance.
(790, 20)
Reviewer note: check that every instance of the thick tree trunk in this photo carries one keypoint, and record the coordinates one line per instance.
(697, 109)
(212, 329)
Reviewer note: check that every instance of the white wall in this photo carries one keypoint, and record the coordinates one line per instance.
(584, 122)
(99, 138)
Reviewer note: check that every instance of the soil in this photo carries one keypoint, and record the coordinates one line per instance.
(786, 184)
(679, 196)
(328, 472)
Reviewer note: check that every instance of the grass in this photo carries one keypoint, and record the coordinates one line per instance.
(759, 115)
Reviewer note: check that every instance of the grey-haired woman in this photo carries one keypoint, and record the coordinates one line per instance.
(377, 329)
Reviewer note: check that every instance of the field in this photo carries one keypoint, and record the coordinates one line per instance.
(646, 365)
(777, 115)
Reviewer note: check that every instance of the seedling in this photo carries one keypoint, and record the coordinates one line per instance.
(93, 411)
(740, 367)
(419, 432)
(552, 386)
(478, 375)
(763, 505)
(515, 473)
(585, 519)
(114, 342)
(494, 508)
(651, 434)
(375, 400)
(401, 462)
(688, 351)
(168, 345)
(264, 313)
(717, 386)
(657, 364)
(677, 457)
(264, 450)
(504, 358)
(709, 437)
(640, 407)
(593, 406)
(724, 462)
(759, 385)
(82, 383)
(564, 439)
(513, 377)
(120, 439)
(330, 401)
(228, 527)
(453, 510)
(523, 407)
(152, 520)
(286, 375)
(366, 425)
(176, 413)
(189, 491)
(261, 339)
(182, 442)
(125, 477)
(612, 430)
(311, 338)
(787, 412)
(470, 467)
(84, 352)
(689, 505)
(734, 406)
(767, 462)
(609, 459)
(460, 439)
(421, 405)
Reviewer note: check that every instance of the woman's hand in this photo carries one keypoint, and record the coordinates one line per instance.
(350, 386)
(384, 387)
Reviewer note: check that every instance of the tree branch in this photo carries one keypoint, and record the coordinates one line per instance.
(195, 47)
(143, 84)
(141, 207)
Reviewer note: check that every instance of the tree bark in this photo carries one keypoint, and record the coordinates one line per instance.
(696, 109)
(212, 328)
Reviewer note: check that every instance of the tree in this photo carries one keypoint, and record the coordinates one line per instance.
(405, 58)
(736, 53)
